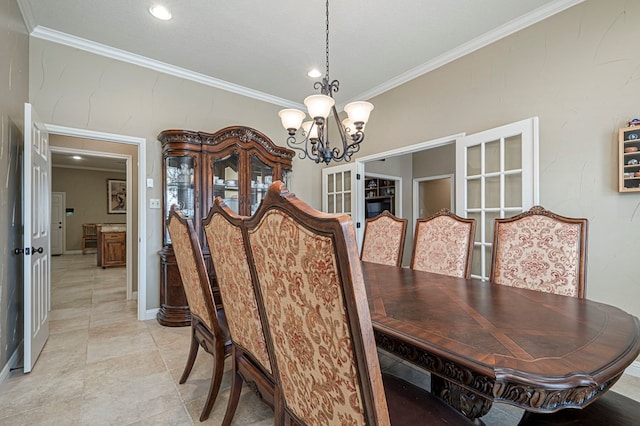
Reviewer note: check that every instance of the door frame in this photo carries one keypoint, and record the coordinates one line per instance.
(140, 144)
(416, 195)
(64, 217)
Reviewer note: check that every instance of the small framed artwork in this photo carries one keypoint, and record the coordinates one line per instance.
(116, 196)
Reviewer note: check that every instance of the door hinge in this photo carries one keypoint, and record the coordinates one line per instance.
(357, 224)
(358, 176)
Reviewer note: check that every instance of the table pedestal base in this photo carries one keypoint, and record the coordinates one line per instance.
(472, 405)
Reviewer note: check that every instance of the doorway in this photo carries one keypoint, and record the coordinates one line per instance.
(82, 140)
(431, 194)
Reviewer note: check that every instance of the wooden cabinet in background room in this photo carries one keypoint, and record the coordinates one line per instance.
(379, 195)
(236, 163)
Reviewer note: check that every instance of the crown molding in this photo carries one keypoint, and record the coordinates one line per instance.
(54, 36)
(93, 169)
(471, 46)
(27, 15)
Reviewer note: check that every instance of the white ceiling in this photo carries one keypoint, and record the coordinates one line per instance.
(264, 49)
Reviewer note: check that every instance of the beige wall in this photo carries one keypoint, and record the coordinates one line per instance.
(580, 74)
(14, 73)
(88, 200)
(73, 88)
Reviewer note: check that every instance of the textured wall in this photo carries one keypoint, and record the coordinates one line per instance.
(88, 200)
(73, 88)
(14, 73)
(579, 72)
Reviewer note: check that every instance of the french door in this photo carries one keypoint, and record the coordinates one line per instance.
(343, 192)
(496, 177)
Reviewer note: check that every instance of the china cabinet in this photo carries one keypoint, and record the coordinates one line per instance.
(629, 159)
(236, 163)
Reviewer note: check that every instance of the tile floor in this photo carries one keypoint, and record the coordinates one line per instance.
(103, 367)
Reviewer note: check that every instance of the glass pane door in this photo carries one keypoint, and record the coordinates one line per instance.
(225, 180)
(261, 178)
(497, 177)
(180, 186)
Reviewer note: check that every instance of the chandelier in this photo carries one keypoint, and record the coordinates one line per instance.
(315, 144)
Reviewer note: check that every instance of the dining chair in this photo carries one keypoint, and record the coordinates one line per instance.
(251, 363)
(312, 298)
(443, 244)
(208, 325)
(540, 250)
(384, 237)
(89, 236)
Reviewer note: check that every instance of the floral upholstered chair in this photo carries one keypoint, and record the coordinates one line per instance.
(540, 250)
(443, 243)
(208, 326)
(384, 237)
(319, 333)
(251, 361)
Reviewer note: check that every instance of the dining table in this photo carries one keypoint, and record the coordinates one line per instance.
(485, 343)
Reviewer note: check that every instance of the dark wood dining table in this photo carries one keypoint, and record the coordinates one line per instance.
(485, 343)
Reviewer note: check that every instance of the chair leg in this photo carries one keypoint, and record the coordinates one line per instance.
(193, 352)
(216, 380)
(234, 393)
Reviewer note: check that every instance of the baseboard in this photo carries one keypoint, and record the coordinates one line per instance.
(151, 314)
(77, 252)
(4, 374)
(134, 295)
(633, 369)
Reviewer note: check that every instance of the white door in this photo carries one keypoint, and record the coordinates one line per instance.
(36, 211)
(57, 223)
(343, 192)
(496, 177)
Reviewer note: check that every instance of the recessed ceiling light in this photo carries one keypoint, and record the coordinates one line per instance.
(160, 12)
(314, 73)
(77, 157)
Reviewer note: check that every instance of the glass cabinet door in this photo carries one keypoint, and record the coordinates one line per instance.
(226, 181)
(180, 186)
(261, 178)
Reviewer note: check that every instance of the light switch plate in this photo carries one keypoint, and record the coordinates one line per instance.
(149, 182)
(154, 203)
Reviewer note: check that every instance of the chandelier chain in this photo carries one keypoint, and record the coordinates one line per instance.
(327, 44)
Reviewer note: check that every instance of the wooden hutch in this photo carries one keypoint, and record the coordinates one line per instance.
(236, 163)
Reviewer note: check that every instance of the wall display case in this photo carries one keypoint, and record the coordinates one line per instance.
(235, 163)
(379, 195)
(629, 159)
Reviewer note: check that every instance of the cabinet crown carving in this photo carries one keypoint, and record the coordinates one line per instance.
(240, 134)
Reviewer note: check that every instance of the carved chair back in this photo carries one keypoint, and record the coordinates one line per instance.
(310, 286)
(443, 244)
(540, 250)
(384, 237)
(251, 361)
(208, 326)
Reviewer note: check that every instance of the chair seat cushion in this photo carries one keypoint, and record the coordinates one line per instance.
(611, 409)
(410, 405)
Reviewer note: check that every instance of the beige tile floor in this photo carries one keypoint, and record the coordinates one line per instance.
(103, 367)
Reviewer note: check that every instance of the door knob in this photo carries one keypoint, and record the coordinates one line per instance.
(37, 250)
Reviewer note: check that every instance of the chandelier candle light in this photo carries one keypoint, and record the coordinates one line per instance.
(315, 144)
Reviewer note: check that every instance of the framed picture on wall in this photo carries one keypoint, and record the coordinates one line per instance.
(116, 196)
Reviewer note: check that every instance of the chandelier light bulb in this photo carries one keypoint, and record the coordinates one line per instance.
(319, 105)
(310, 130)
(358, 112)
(291, 119)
